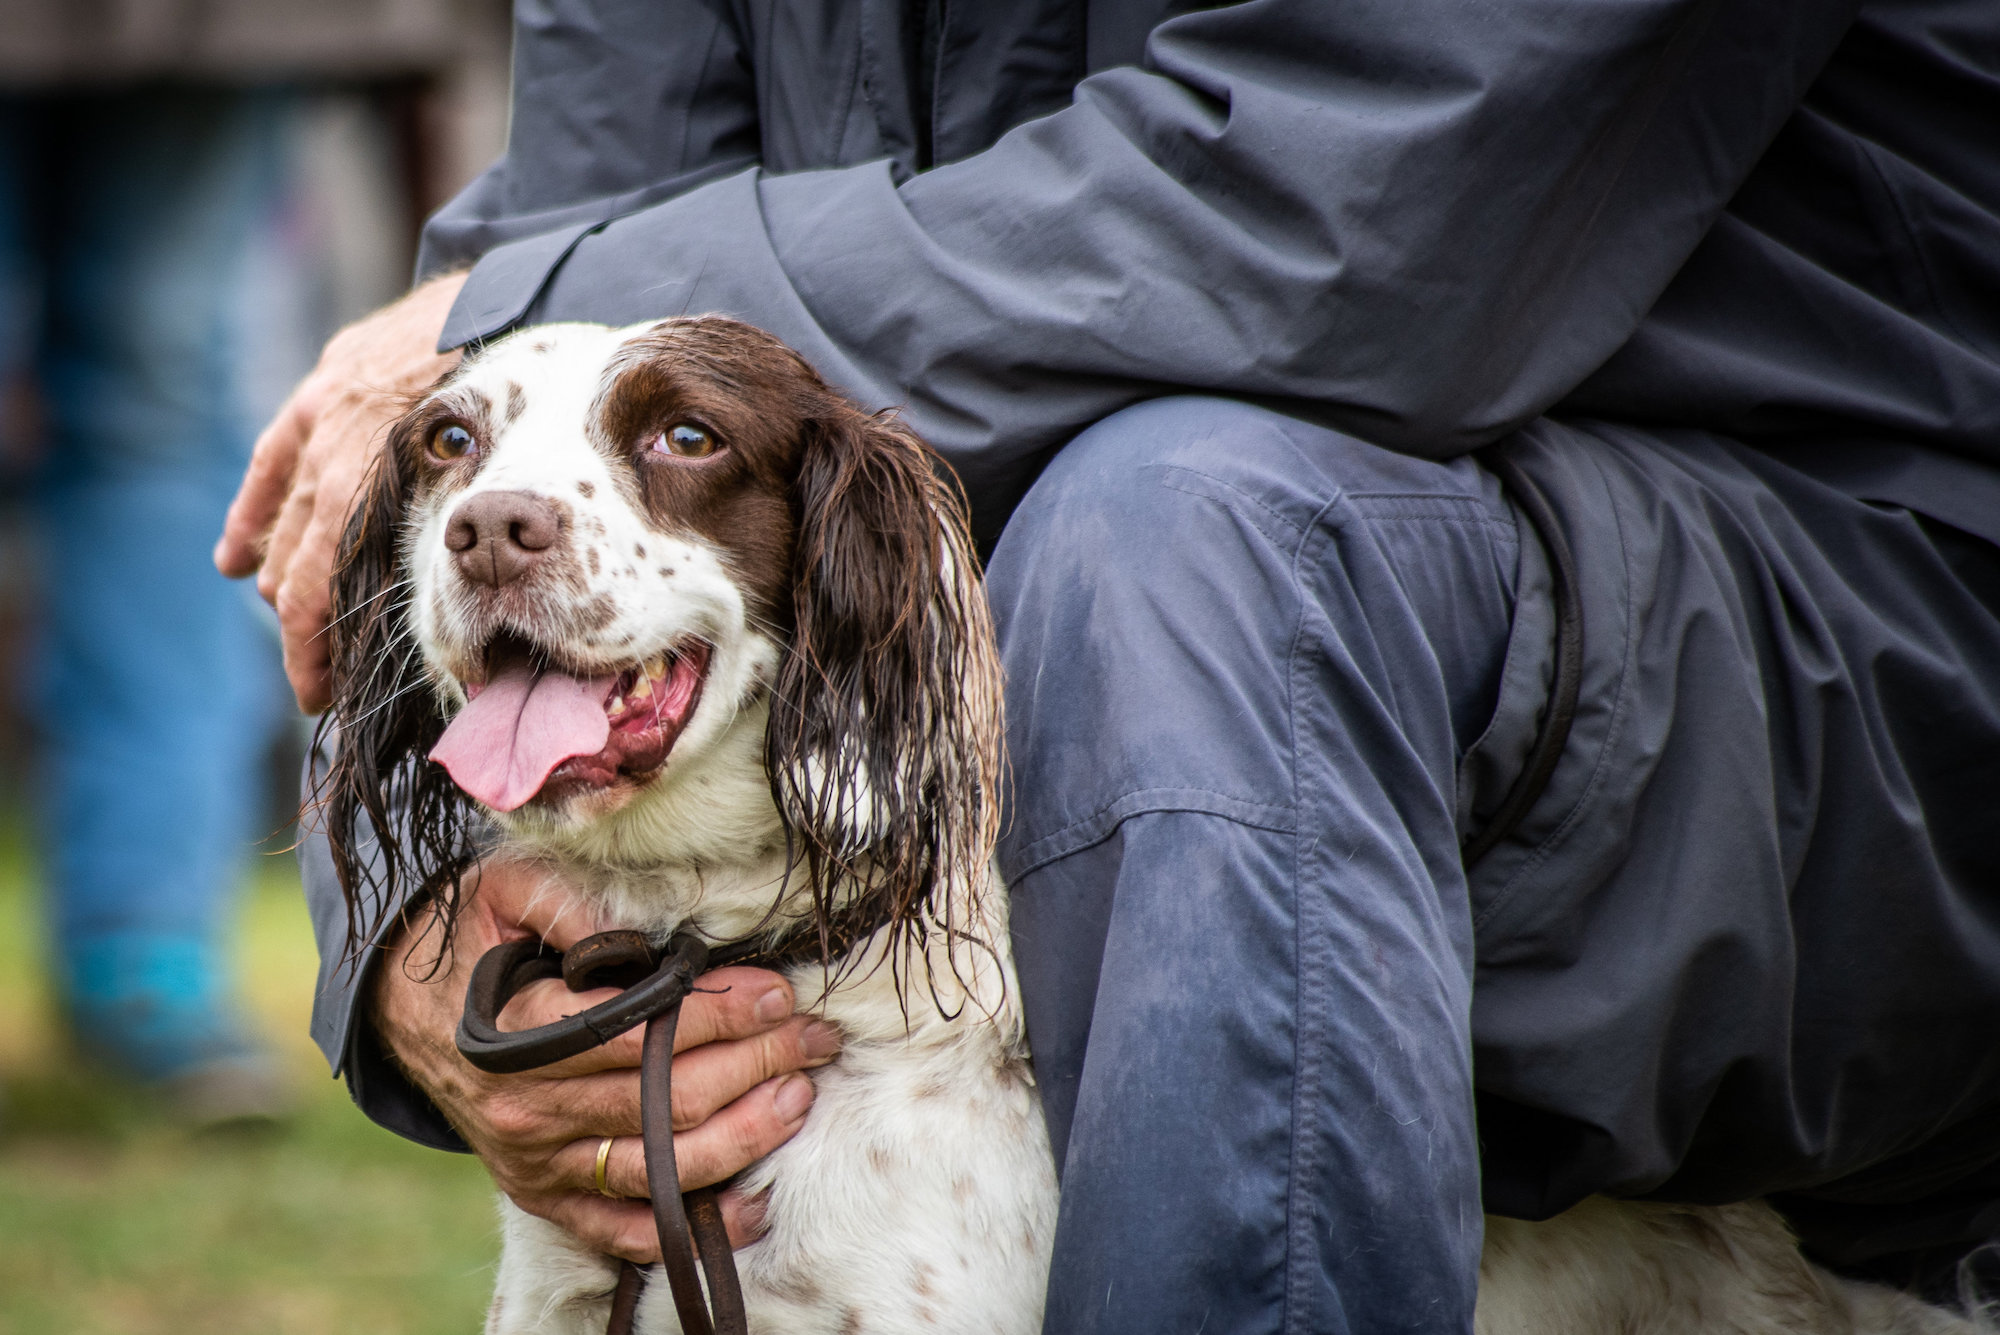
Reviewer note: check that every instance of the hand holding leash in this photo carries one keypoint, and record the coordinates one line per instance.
(737, 1091)
(696, 1252)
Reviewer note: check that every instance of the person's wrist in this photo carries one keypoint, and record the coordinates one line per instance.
(411, 1009)
(403, 336)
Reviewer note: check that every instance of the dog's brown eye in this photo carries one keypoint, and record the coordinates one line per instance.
(450, 442)
(687, 440)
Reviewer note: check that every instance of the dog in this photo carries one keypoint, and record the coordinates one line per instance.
(709, 641)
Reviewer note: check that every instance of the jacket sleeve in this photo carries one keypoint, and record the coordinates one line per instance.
(339, 1023)
(1421, 221)
(617, 104)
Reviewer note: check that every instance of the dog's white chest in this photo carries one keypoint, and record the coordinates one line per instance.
(918, 1198)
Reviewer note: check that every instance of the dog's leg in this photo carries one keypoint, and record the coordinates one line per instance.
(548, 1282)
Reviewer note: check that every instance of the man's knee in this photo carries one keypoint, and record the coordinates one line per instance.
(1182, 561)
(1121, 487)
(1212, 519)
(1122, 476)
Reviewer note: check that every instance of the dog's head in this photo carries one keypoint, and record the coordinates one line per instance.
(612, 585)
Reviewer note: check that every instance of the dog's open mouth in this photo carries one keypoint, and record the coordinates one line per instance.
(534, 729)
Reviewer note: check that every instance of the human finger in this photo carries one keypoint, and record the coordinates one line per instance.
(744, 1132)
(713, 1076)
(297, 575)
(706, 1076)
(531, 898)
(574, 1166)
(284, 533)
(730, 1004)
(266, 482)
(719, 1148)
(735, 1002)
(339, 466)
(744, 1216)
(617, 1228)
(304, 602)
(743, 1213)
(546, 1001)
(625, 1229)
(525, 1125)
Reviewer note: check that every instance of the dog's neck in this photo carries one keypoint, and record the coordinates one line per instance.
(701, 846)
(705, 850)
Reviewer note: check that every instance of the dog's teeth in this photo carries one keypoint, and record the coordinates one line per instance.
(641, 690)
(617, 705)
(656, 666)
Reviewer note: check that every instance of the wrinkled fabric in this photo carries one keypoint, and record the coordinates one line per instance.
(1264, 681)
(1746, 942)
(1424, 221)
(1244, 656)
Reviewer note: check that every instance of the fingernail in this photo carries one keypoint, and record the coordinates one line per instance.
(793, 1098)
(820, 1039)
(773, 1006)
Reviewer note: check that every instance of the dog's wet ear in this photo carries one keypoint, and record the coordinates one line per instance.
(884, 742)
(382, 724)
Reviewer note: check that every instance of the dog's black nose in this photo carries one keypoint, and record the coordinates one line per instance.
(498, 536)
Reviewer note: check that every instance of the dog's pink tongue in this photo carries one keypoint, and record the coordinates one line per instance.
(509, 738)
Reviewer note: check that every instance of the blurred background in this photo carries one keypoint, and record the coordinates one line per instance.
(194, 194)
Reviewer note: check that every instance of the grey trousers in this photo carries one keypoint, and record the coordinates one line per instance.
(1264, 681)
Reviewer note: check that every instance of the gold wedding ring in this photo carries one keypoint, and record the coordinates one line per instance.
(597, 1174)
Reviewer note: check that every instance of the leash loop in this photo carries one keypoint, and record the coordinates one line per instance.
(510, 966)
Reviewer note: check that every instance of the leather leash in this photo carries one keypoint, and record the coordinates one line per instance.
(654, 984)
(1534, 777)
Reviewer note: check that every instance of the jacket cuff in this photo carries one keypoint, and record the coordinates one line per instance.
(704, 251)
(504, 283)
(513, 256)
(339, 1023)
(386, 1096)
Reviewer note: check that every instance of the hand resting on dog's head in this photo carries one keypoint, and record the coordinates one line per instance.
(739, 1087)
(296, 496)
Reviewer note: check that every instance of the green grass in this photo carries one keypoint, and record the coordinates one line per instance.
(114, 1220)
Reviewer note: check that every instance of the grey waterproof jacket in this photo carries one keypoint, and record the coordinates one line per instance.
(1422, 221)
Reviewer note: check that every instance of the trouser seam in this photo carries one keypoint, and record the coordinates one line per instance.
(1297, 534)
(1306, 1055)
(1039, 853)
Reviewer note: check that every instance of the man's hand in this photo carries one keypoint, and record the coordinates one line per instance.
(738, 1091)
(286, 521)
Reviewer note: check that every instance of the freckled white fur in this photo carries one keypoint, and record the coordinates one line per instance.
(545, 450)
(920, 1196)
